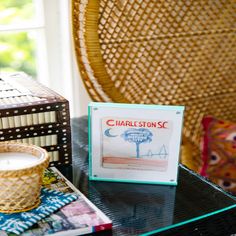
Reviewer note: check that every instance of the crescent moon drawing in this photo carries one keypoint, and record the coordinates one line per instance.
(108, 134)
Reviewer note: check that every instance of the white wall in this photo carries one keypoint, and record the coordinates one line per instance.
(81, 97)
(62, 74)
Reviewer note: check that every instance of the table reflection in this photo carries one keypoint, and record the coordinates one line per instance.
(140, 208)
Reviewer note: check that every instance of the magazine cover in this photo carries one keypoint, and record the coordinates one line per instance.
(134, 143)
(77, 218)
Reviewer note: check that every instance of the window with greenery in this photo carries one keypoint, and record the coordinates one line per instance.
(35, 38)
(19, 22)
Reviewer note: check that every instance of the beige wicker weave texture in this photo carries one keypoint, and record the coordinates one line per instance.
(20, 189)
(160, 52)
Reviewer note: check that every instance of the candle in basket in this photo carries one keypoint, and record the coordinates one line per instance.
(21, 171)
(17, 160)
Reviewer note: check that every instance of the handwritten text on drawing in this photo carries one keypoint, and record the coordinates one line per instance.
(140, 124)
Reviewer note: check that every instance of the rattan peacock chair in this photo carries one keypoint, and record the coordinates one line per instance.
(160, 52)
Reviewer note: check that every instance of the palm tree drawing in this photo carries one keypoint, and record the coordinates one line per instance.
(137, 136)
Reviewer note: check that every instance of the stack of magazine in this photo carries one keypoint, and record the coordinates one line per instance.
(77, 218)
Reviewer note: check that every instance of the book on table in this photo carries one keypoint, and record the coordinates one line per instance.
(77, 218)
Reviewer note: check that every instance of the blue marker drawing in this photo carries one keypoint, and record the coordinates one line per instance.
(162, 154)
(137, 136)
(108, 134)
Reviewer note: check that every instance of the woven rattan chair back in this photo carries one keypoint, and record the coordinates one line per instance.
(160, 52)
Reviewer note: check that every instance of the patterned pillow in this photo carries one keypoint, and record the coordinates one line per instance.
(219, 152)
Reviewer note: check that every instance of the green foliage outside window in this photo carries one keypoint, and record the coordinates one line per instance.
(17, 48)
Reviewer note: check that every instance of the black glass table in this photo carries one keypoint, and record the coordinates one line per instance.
(193, 207)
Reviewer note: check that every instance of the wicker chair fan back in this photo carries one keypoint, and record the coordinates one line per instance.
(160, 52)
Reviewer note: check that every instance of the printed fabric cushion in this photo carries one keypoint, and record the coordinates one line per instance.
(219, 152)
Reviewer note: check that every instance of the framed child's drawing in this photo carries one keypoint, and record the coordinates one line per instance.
(134, 143)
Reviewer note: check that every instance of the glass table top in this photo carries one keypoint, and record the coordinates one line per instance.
(145, 208)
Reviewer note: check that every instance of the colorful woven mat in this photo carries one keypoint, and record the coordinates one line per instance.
(51, 201)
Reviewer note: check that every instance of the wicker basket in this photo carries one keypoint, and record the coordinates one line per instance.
(20, 188)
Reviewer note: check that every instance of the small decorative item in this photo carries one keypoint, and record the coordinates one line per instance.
(34, 114)
(21, 170)
(134, 143)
